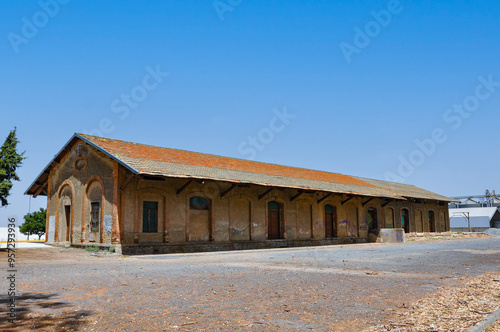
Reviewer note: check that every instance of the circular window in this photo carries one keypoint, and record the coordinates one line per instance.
(80, 164)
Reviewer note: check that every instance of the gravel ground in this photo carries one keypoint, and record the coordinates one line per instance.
(340, 288)
(493, 231)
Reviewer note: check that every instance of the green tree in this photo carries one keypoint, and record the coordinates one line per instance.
(10, 160)
(34, 223)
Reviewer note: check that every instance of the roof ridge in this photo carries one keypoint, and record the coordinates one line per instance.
(365, 178)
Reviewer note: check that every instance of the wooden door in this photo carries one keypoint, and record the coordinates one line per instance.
(67, 214)
(329, 224)
(273, 223)
(330, 221)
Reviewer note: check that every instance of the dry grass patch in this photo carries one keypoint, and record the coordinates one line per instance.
(444, 236)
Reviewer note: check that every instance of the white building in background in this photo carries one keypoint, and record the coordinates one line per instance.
(481, 218)
(476, 213)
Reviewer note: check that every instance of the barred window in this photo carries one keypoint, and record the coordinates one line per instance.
(150, 217)
(95, 216)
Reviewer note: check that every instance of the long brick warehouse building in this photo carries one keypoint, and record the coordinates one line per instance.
(146, 199)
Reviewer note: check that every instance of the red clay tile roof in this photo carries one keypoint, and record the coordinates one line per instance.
(154, 160)
(167, 155)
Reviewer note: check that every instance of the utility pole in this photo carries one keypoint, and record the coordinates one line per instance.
(466, 215)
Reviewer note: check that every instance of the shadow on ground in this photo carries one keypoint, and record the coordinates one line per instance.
(36, 311)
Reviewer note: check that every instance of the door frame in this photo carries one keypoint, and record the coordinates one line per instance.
(334, 221)
(69, 221)
(281, 218)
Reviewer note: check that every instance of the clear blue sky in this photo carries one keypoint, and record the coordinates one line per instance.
(231, 63)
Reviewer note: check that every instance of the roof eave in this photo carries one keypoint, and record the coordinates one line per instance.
(31, 191)
(439, 198)
(179, 176)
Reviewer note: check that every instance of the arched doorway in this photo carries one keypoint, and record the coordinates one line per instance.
(93, 216)
(405, 220)
(274, 216)
(200, 219)
(372, 220)
(432, 222)
(330, 221)
(64, 229)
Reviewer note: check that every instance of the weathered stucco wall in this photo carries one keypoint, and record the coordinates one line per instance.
(241, 216)
(83, 176)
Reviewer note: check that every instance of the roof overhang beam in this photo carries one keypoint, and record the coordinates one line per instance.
(264, 194)
(387, 201)
(127, 181)
(228, 190)
(40, 190)
(297, 195)
(349, 197)
(324, 197)
(184, 186)
(367, 201)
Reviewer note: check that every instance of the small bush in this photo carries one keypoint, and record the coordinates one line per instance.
(112, 249)
(92, 248)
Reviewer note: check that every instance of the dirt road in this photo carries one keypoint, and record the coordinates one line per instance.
(340, 288)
